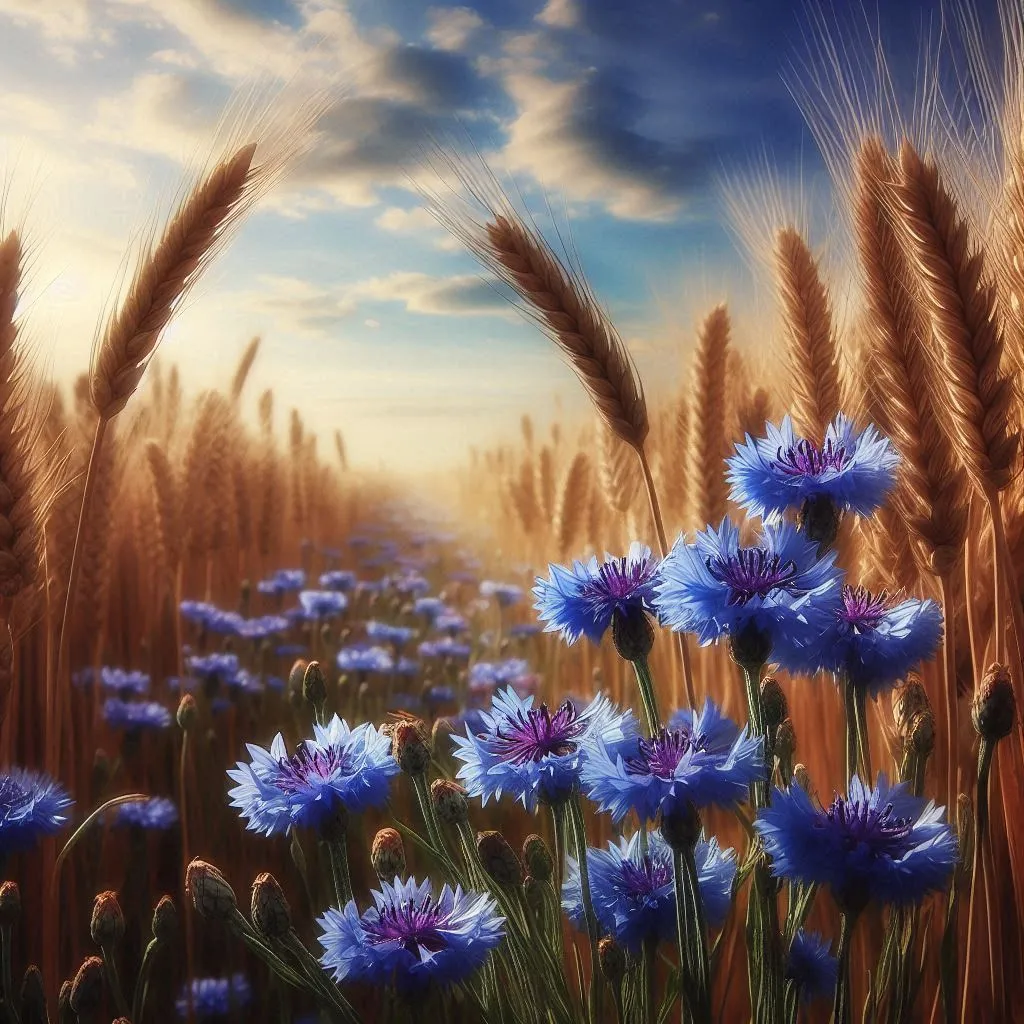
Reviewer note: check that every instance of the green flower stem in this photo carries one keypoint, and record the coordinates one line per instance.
(860, 701)
(419, 783)
(646, 988)
(792, 1002)
(692, 937)
(558, 835)
(311, 967)
(577, 829)
(645, 683)
(337, 854)
(247, 934)
(841, 1005)
(113, 981)
(142, 982)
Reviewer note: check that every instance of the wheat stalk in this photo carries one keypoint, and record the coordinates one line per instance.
(572, 501)
(707, 424)
(245, 365)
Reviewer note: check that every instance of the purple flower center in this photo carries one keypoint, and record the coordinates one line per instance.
(642, 879)
(310, 765)
(414, 926)
(862, 609)
(661, 754)
(751, 572)
(619, 580)
(806, 459)
(875, 827)
(535, 734)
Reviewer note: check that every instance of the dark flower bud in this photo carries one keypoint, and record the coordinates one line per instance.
(785, 741)
(908, 699)
(612, 960)
(750, 647)
(165, 920)
(499, 859)
(533, 891)
(965, 832)
(995, 708)
(334, 827)
(440, 734)
(680, 827)
(270, 911)
(296, 675)
(632, 634)
(921, 737)
(209, 891)
(802, 777)
(87, 988)
(410, 749)
(388, 854)
(363, 692)
(65, 1015)
(774, 705)
(32, 1004)
(819, 518)
(537, 858)
(314, 685)
(121, 1020)
(449, 801)
(187, 712)
(10, 904)
(325, 634)
(107, 924)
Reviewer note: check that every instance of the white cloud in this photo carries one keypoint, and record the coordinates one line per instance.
(60, 21)
(560, 14)
(294, 305)
(30, 113)
(452, 27)
(459, 295)
(402, 222)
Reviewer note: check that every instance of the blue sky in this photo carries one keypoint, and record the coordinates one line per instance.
(622, 115)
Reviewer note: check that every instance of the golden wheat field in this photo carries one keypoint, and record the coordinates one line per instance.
(697, 699)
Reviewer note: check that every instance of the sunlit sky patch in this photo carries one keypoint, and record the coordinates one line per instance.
(622, 114)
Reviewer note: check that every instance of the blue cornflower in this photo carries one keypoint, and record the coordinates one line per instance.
(123, 681)
(282, 581)
(446, 647)
(322, 604)
(244, 681)
(535, 753)
(776, 592)
(811, 966)
(853, 471)
(409, 937)
(31, 806)
(634, 895)
(290, 650)
(450, 623)
(407, 667)
(262, 626)
(388, 634)
(215, 997)
(524, 629)
(157, 813)
(464, 576)
(357, 541)
(882, 844)
(583, 600)
(411, 583)
(439, 694)
(119, 714)
(213, 666)
(196, 611)
(873, 642)
(338, 579)
(223, 622)
(365, 659)
(700, 759)
(430, 607)
(277, 791)
(485, 676)
(506, 594)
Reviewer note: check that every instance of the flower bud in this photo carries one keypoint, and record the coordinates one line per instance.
(965, 832)
(680, 827)
(612, 960)
(533, 891)
(440, 734)
(32, 1004)
(333, 828)
(774, 705)
(388, 854)
(296, 676)
(209, 891)
(537, 858)
(450, 802)
(802, 777)
(270, 911)
(995, 708)
(908, 699)
(410, 749)
(499, 859)
(65, 1015)
(314, 685)
(165, 920)
(87, 988)
(750, 647)
(187, 712)
(632, 634)
(10, 904)
(921, 737)
(107, 924)
(819, 519)
(785, 741)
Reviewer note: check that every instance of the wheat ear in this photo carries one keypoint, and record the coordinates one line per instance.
(244, 368)
(810, 339)
(569, 514)
(707, 424)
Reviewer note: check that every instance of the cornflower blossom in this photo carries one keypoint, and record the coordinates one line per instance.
(134, 717)
(485, 676)
(290, 650)
(429, 607)
(365, 659)
(811, 966)
(464, 576)
(32, 805)
(506, 594)
(338, 579)
(123, 681)
(881, 845)
(215, 997)
(775, 596)
(322, 604)
(584, 599)
(532, 752)
(213, 666)
(338, 766)
(703, 759)
(439, 694)
(244, 681)
(854, 471)
(447, 647)
(872, 641)
(450, 623)
(196, 611)
(411, 583)
(261, 627)
(224, 623)
(407, 667)
(386, 633)
(410, 937)
(156, 814)
(634, 894)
